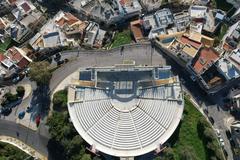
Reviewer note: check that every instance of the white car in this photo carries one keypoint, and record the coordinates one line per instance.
(221, 142)
(218, 133)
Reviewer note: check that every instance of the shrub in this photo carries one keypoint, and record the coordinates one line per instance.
(11, 97)
(20, 91)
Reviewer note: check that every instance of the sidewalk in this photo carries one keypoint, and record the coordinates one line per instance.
(19, 144)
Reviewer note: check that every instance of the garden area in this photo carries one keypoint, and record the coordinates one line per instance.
(7, 44)
(220, 34)
(120, 38)
(194, 139)
(10, 152)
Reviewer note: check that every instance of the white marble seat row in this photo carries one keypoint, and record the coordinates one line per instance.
(87, 94)
(126, 130)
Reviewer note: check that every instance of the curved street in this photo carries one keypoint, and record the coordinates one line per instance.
(141, 54)
(34, 139)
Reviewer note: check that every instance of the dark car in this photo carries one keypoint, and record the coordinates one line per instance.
(205, 111)
(225, 152)
(60, 62)
(211, 120)
(6, 111)
(66, 60)
(228, 133)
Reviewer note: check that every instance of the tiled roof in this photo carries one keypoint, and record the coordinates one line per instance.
(186, 40)
(2, 25)
(12, 1)
(19, 59)
(26, 7)
(68, 18)
(2, 57)
(136, 29)
(206, 57)
(23, 63)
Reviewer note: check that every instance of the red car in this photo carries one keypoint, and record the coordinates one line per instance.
(38, 120)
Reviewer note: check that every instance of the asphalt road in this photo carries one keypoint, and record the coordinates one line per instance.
(32, 138)
(141, 54)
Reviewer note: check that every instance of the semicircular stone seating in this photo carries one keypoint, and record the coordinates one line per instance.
(130, 130)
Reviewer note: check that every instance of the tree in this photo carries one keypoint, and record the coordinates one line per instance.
(188, 154)
(40, 72)
(208, 134)
(168, 154)
(60, 100)
(86, 157)
(56, 3)
(20, 91)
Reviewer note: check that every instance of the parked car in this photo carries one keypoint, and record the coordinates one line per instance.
(211, 120)
(6, 111)
(21, 114)
(38, 120)
(60, 62)
(66, 60)
(221, 142)
(225, 152)
(228, 133)
(28, 110)
(218, 133)
(16, 79)
(205, 111)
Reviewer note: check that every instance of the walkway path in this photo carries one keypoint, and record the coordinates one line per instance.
(36, 140)
(19, 144)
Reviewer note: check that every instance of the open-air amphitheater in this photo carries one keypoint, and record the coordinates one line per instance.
(125, 110)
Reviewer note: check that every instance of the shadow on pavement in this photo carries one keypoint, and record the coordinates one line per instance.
(40, 102)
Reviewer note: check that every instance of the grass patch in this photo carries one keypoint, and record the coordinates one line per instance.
(220, 34)
(188, 134)
(121, 38)
(7, 44)
(223, 31)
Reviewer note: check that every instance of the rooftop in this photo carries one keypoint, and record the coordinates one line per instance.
(198, 11)
(136, 29)
(206, 57)
(228, 69)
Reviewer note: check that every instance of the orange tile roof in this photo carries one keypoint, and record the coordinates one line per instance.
(12, 1)
(206, 57)
(2, 25)
(136, 29)
(14, 55)
(186, 40)
(2, 57)
(67, 19)
(227, 47)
